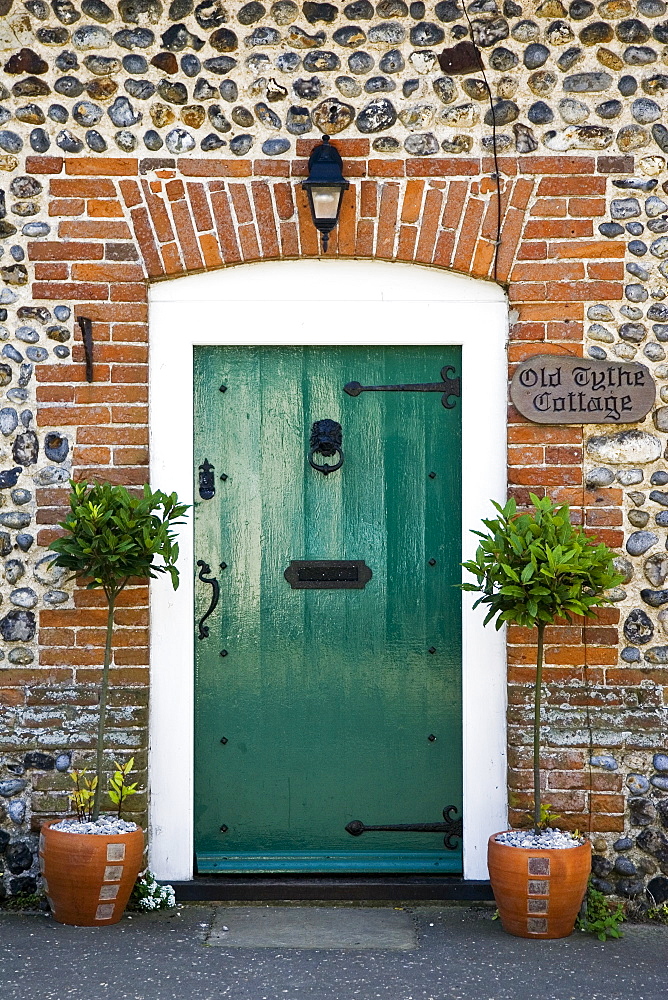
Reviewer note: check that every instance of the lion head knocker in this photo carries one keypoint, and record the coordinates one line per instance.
(326, 440)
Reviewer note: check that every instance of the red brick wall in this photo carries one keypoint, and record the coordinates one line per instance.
(122, 223)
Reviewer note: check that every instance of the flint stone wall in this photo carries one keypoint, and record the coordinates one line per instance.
(142, 140)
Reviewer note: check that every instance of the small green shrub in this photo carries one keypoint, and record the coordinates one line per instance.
(24, 901)
(599, 916)
(658, 914)
(81, 799)
(149, 895)
(547, 817)
(119, 790)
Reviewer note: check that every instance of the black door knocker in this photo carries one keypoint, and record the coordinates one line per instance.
(326, 440)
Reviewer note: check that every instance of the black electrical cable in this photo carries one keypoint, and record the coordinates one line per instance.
(496, 176)
(587, 691)
(587, 694)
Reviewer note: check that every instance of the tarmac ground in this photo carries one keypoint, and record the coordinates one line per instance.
(322, 952)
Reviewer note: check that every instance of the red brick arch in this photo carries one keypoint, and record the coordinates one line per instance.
(192, 221)
(196, 214)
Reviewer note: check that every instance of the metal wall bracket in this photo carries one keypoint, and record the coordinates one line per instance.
(86, 326)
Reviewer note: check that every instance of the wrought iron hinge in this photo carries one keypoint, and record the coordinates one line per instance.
(448, 387)
(452, 828)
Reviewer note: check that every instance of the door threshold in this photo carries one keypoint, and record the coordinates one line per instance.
(332, 862)
(260, 888)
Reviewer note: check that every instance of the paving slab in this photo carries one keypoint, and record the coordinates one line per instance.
(461, 954)
(307, 927)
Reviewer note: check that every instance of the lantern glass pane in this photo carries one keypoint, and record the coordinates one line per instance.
(325, 202)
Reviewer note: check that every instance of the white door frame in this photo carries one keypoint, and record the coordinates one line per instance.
(323, 302)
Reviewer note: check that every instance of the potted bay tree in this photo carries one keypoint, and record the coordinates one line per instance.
(532, 569)
(110, 538)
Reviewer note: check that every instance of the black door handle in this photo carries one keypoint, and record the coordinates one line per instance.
(215, 595)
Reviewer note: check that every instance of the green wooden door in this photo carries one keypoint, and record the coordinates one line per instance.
(318, 707)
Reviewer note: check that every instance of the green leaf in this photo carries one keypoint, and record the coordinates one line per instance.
(509, 571)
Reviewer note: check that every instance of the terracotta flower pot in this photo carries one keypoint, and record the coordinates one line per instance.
(538, 893)
(88, 877)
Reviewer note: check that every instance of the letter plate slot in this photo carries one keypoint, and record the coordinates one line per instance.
(328, 574)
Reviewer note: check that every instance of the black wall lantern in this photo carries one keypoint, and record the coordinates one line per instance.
(324, 186)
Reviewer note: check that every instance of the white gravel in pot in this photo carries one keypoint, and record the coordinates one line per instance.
(108, 826)
(542, 841)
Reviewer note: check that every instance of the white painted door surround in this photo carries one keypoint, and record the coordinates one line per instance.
(323, 302)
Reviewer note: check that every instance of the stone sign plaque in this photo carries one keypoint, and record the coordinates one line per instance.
(556, 389)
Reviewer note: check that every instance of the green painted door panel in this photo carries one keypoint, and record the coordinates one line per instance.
(327, 698)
